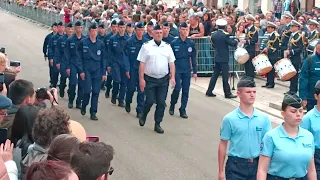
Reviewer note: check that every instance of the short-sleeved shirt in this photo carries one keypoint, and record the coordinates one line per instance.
(290, 157)
(156, 58)
(311, 122)
(244, 133)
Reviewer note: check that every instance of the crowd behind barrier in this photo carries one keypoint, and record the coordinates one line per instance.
(205, 49)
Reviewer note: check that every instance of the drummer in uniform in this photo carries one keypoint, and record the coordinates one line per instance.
(252, 38)
(221, 43)
(272, 51)
(313, 34)
(294, 50)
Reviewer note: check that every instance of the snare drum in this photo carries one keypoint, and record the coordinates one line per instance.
(262, 64)
(285, 69)
(241, 55)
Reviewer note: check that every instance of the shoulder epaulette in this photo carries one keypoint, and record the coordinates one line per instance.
(167, 43)
(226, 33)
(176, 37)
(147, 42)
(276, 34)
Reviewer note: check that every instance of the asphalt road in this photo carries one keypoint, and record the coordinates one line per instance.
(186, 151)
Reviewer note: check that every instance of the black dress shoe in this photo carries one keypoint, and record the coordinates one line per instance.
(83, 111)
(210, 95)
(289, 92)
(230, 96)
(184, 115)
(139, 115)
(270, 86)
(51, 86)
(127, 107)
(70, 105)
(78, 106)
(113, 100)
(61, 94)
(121, 104)
(158, 129)
(107, 95)
(265, 85)
(171, 110)
(142, 120)
(103, 88)
(93, 117)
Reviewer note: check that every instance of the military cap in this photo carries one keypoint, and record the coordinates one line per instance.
(246, 81)
(221, 22)
(166, 24)
(150, 23)
(250, 17)
(271, 24)
(139, 25)
(295, 23)
(129, 25)
(308, 13)
(311, 21)
(114, 22)
(93, 26)
(101, 25)
(5, 102)
(292, 100)
(78, 23)
(156, 27)
(121, 23)
(60, 24)
(54, 24)
(69, 25)
(183, 25)
(288, 15)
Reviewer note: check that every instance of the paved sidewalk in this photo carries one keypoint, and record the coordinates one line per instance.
(267, 100)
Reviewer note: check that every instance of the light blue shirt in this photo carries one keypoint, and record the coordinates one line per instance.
(311, 122)
(244, 133)
(290, 157)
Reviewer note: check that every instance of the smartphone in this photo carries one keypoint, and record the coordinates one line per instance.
(3, 135)
(3, 50)
(15, 63)
(93, 138)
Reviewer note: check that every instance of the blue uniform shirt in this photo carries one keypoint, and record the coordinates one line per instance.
(244, 133)
(132, 49)
(308, 78)
(147, 36)
(71, 52)
(183, 51)
(168, 39)
(52, 45)
(92, 55)
(310, 122)
(290, 157)
(116, 47)
(59, 56)
(106, 43)
(101, 37)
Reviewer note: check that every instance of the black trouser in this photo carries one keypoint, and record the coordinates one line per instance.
(156, 91)
(294, 80)
(108, 83)
(317, 162)
(271, 74)
(241, 169)
(222, 67)
(248, 66)
(271, 177)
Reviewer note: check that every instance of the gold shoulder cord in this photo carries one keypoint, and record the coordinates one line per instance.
(315, 36)
(250, 34)
(295, 41)
(285, 33)
(270, 43)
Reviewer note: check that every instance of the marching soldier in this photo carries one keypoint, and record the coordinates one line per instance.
(295, 48)
(46, 45)
(74, 68)
(285, 34)
(132, 49)
(252, 38)
(166, 36)
(184, 50)
(101, 36)
(60, 58)
(148, 34)
(92, 57)
(313, 34)
(272, 51)
(221, 42)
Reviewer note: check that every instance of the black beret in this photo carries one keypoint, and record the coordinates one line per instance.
(150, 23)
(156, 27)
(166, 24)
(60, 24)
(5, 102)
(78, 23)
(114, 22)
(292, 100)
(69, 25)
(246, 81)
(101, 25)
(54, 24)
(129, 25)
(139, 25)
(121, 23)
(183, 25)
(93, 26)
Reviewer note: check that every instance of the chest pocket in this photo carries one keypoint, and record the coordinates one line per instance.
(133, 49)
(63, 44)
(72, 45)
(176, 48)
(85, 49)
(115, 44)
(54, 42)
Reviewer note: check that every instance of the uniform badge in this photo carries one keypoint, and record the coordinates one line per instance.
(98, 52)
(190, 49)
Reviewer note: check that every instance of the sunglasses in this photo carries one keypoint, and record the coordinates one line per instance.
(110, 171)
